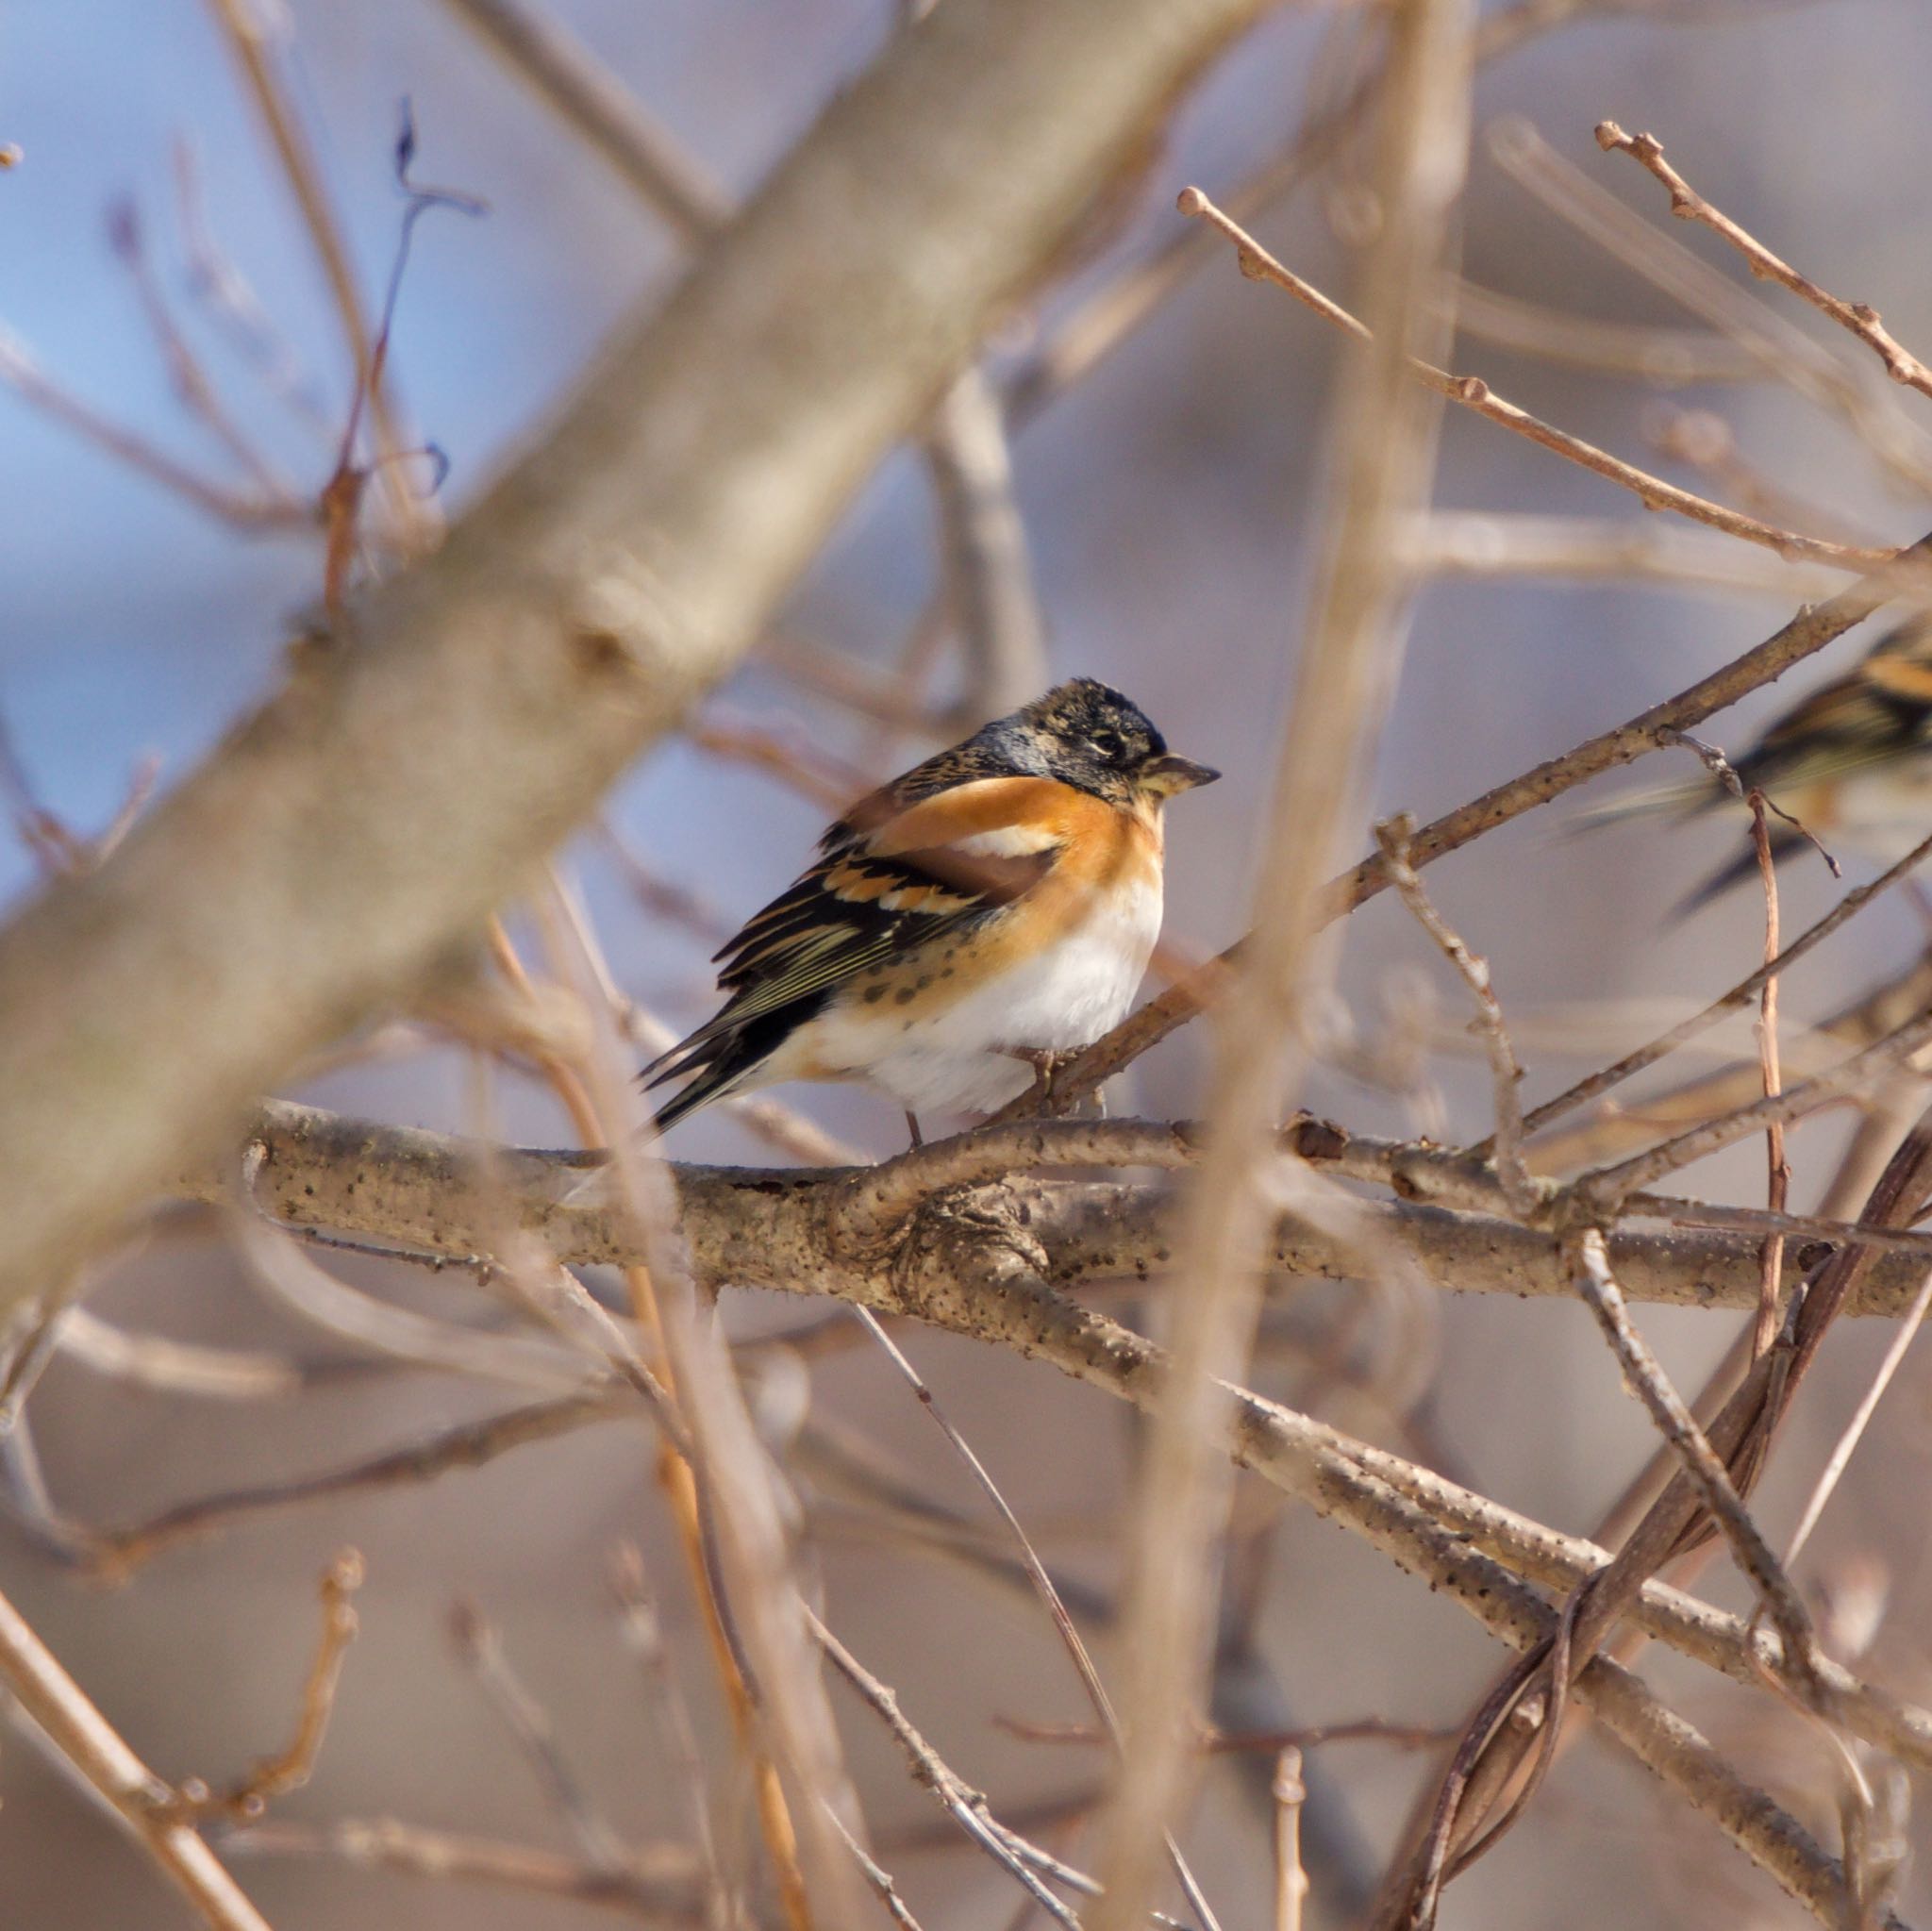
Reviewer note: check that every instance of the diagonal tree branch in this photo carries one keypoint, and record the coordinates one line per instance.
(342, 841)
(1814, 627)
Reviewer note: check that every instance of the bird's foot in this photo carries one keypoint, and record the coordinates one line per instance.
(1045, 1063)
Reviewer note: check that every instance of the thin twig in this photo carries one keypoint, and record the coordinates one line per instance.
(290, 1768)
(1291, 1880)
(1687, 204)
(1606, 1184)
(1643, 1375)
(1079, 342)
(1476, 394)
(1813, 627)
(250, 510)
(1779, 1177)
(1847, 1445)
(231, 303)
(1735, 999)
(875, 1875)
(1520, 1187)
(480, 1647)
(193, 386)
(116, 1552)
(1823, 376)
(1042, 1582)
(966, 1804)
(1218, 1741)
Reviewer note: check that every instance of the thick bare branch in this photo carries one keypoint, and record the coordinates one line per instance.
(783, 1231)
(800, 1228)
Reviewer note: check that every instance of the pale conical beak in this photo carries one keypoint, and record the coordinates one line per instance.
(1166, 775)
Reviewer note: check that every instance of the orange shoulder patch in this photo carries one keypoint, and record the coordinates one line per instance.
(986, 804)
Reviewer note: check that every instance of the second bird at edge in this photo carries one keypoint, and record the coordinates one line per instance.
(1851, 762)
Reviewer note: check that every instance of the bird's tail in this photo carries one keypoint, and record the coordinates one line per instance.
(721, 1057)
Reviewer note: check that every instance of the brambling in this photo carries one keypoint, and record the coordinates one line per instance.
(992, 908)
(1852, 763)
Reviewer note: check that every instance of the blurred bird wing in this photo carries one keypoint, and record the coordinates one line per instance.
(1881, 712)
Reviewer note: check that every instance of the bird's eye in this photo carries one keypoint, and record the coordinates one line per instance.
(1106, 744)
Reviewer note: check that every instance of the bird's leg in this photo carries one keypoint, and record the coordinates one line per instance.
(1044, 1062)
(912, 1127)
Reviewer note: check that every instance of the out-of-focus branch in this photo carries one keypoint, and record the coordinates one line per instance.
(1077, 342)
(249, 28)
(248, 511)
(661, 1889)
(343, 841)
(142, 1801)
(584, 92)
(1487, 543)
(988, 573)
(1665, 357)
(1380, 474)
(1824, 375)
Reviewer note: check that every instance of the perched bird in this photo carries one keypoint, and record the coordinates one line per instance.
(1852, 763)
(992, 908)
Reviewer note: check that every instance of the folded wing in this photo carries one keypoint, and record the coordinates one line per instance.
(896, 872)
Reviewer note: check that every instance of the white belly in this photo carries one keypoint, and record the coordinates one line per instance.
(1063, 998)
